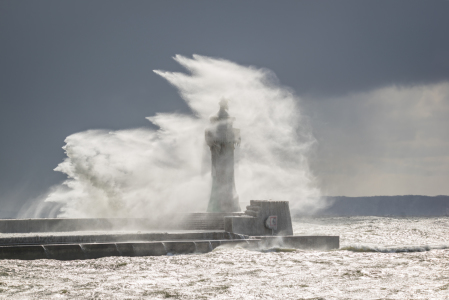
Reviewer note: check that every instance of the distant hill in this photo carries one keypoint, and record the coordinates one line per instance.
(7, 214)
(409, 205)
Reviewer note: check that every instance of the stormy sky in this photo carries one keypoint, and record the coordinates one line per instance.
(372, 76)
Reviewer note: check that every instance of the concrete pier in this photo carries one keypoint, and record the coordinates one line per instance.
(265, 225)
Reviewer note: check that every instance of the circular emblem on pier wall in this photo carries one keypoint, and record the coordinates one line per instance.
(272, 222)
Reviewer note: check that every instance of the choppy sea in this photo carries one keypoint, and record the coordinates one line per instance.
(379, 258)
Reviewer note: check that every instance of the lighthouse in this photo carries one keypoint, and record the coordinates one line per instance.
(222, 139)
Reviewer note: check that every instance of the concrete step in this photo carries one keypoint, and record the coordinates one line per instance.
(98, 250)
(43, 238)
(184, 245)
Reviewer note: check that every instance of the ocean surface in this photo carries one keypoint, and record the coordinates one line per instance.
(379, 258)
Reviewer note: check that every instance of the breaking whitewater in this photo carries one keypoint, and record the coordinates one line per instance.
(379, 258)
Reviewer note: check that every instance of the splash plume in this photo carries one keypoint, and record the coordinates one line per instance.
(141, 171)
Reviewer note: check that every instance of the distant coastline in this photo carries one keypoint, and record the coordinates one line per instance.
(397, 206)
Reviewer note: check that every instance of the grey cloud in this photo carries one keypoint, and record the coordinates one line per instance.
(391, 140)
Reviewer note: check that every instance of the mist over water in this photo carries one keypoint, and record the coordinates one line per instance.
(139, 172)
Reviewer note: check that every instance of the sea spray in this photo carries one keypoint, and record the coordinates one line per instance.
(138, 172)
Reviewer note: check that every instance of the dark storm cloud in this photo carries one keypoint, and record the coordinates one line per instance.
(67, 66)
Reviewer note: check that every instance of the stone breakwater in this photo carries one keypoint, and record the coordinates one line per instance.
(264, 225)
(88, 245)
